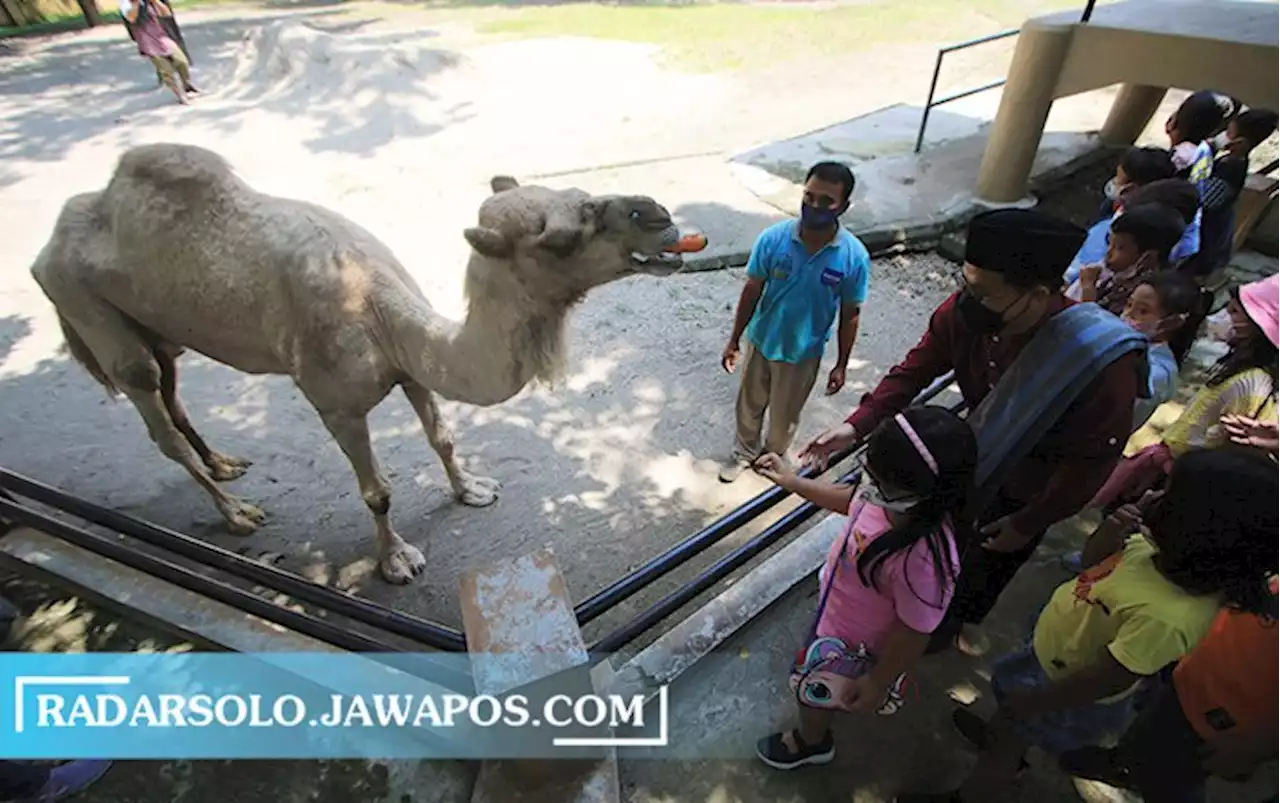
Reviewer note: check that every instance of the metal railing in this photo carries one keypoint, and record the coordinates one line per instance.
(425, 632)
(937, 70)
(422, 632)
(707, 537)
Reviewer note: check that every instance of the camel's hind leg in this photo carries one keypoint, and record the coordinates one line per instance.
(221, 467)
(131, 365)
(468, 488)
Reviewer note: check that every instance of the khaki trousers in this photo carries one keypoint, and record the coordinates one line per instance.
(167, 67)
(782, 388)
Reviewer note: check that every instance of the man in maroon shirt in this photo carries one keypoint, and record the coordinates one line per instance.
(1013, 269)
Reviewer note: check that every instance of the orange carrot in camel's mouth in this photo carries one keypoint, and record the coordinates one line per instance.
(688, 244)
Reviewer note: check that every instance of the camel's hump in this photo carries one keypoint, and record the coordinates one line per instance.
(167, 162)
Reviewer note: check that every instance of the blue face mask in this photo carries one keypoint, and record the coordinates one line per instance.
(812, 217)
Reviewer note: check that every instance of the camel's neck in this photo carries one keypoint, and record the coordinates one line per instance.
(508, 340)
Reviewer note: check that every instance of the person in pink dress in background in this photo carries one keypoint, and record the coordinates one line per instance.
(888, 579)
(145, 23)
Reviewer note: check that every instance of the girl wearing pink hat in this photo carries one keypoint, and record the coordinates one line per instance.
(1241, 384)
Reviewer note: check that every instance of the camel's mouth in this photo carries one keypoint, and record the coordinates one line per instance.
(659, 264)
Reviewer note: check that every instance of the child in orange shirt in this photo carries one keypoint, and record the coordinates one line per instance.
(1216, 718)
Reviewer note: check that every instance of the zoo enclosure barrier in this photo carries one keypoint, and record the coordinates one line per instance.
(930, 103)
(419, 631)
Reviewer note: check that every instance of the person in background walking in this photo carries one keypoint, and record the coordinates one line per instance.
(151, 24)
(799, 276)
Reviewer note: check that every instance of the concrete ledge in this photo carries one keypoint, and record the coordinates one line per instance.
(694, 638)
(926, 231)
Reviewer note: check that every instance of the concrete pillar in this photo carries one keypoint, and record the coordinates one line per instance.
(1130, 112)
(1024, 108)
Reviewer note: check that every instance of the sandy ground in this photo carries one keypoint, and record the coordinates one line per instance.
(400, 129)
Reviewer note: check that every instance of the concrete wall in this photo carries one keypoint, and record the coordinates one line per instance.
(1231, 47)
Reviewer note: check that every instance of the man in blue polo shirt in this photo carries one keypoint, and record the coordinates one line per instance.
(800, 275)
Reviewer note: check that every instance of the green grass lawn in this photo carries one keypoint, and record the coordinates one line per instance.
(54, 23)
(735, 36)
(714, 36)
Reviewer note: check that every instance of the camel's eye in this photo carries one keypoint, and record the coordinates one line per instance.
(635, 214)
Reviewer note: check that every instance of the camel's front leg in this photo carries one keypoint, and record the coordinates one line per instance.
(398, 560)
(469, 488)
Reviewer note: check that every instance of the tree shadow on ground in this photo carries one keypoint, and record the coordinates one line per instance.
(12, 329)
(609, 469)
(53, 621)
(739, 694)
(78, 88)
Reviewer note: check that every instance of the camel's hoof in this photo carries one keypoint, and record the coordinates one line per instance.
(478, 491)
(225, 469)
(244, 518)
(402, 563)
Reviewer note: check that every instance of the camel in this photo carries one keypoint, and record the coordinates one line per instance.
(179, 254)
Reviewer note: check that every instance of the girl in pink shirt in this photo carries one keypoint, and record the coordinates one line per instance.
(888, 578)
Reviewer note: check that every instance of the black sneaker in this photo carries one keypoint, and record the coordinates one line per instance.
(977, 732)
(972, 727)
(1096, 764)
(773, 751)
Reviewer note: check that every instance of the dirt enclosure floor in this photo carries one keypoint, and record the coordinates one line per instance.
(398, 121)
(400, 128)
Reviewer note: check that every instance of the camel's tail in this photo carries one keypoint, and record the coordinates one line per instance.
(82, 355)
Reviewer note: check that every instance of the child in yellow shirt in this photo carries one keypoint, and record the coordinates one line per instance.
(1141, 603)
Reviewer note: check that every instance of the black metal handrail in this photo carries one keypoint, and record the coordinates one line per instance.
(968, 43)
(426, 632)
(937, 69)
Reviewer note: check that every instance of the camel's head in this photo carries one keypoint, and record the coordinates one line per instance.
(574, 240)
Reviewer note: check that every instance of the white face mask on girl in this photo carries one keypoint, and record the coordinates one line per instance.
(872, 495)
(1219, 325)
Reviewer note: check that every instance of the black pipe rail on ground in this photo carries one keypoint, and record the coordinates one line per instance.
(422, 631)
(719, 570)
(418, 664)
(724, 567)
(717, 530)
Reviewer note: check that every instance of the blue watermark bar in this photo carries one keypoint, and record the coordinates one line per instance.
(305, 706)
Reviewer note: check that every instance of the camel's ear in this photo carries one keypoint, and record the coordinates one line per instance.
(561, 240)
(502, 183)
(488, 242)
(592, 212)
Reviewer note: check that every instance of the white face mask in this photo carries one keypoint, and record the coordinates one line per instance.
(1113, 190)
(872, 495)
(1220, 141)
(1219, 326)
